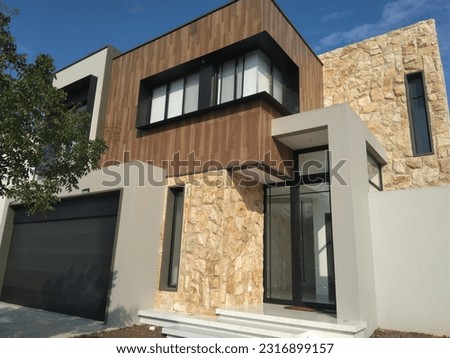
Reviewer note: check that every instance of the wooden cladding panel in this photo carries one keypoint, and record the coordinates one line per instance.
(311, 80)
(240, 133)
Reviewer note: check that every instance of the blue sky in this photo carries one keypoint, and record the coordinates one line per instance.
(69, 30)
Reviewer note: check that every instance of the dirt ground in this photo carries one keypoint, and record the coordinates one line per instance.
(136, 331)
(145, 331)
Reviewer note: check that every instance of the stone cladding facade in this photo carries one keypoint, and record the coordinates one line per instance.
(370, 77)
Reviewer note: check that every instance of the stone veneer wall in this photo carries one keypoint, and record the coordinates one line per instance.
(222, 245)
(370, 77)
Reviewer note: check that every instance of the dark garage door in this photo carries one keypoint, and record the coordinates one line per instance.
(62, 262)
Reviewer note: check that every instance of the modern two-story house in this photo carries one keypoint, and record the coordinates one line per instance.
(253, 188)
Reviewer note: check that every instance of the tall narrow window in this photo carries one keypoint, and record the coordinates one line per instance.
(419, 122)
(170, 263)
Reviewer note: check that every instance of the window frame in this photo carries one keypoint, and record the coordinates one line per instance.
(295, 184)
(413, 117)
(170, 235)
(208, 67)
(380, 172)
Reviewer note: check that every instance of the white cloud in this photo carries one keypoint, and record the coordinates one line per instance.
(135, 7)
(395, 14)
(335, 15)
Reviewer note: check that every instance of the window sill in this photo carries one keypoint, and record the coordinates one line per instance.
(178, 119)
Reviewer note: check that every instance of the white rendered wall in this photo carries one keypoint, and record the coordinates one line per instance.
(411, 246)
(98, 65)
(135, 259)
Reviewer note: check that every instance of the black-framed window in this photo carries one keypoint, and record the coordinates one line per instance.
(247, 75)
(237, 78)
(175, 98)
(170, 263)
(421, 137)
(374, 172)
(254, 67)
(81, 93)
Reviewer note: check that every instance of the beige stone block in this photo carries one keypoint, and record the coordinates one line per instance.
(441, 130)
(376, 95)
(401, 181)
(399, 166)
(409, 49)
(389, 94)
(399, 91)
(363, 101)
(431, 161)
(431, 176)
(180, 307)
(414, 163)
(444, 165)
(412, 63)
(378, 60)
(370, 107)
(418, 180)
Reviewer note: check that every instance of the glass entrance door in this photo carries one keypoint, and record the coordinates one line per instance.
(299, 265)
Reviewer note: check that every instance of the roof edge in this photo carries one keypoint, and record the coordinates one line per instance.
(85, 57)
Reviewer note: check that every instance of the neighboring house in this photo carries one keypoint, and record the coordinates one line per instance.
(245, 174)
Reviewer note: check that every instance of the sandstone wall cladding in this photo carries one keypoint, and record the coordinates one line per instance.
(370, 77)
(221, 262)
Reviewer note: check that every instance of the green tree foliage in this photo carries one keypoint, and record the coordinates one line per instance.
(40, 136)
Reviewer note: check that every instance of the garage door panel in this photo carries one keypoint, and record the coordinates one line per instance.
(63, 265)
(38, 275)
(86, 206)
(35, 235)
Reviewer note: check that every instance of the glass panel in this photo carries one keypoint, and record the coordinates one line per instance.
(420, 124)
(415, 86)
(373, 169)
(315, 188)
(264, 77)
(227, 81)
(239, 76)
(316, 244)
(278, 85)
(422, 143)
(313, 163)
(191, 93)
(278, 244)
(250, 73)
(175, 107)
(176, 237)
(158, 104)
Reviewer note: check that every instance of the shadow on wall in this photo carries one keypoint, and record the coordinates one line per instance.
(250, 193)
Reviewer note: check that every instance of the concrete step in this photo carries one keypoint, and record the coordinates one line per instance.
(321, 325)
(222, 325)
(272, 321)
(187, 331)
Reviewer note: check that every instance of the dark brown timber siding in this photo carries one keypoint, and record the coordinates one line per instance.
(238, 133)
